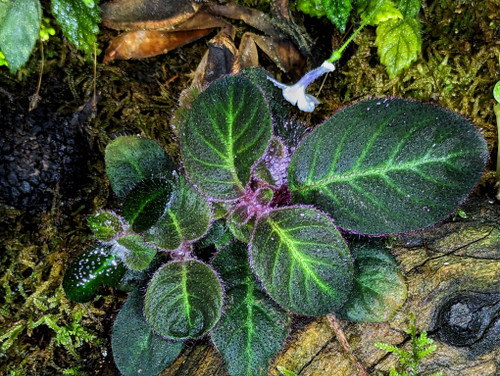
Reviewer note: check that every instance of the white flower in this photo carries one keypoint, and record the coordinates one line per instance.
(296, 94)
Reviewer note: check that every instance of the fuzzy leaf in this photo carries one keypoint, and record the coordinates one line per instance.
(78, 22)
(183, 300)
(186, 219)
(136, 254)
(226, 131)
(136, 349)
(253, 328)
(337, 11)
(105, 225)
(131, 159)
(388, 165)
(302, 260)
(240, 224)
(398, 44)
(218, 235)
(272, 168)
(95, 267)
(146, 203)
(19, 27)
(379, 288)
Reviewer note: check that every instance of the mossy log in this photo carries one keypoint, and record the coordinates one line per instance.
(453, 277)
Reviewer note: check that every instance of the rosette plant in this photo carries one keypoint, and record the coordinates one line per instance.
(280, 206)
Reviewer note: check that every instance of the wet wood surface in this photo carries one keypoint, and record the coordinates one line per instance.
(453, 277)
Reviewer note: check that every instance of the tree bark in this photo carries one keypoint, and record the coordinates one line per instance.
(453, 275)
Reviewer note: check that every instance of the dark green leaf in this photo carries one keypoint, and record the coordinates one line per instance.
(78, 22)
(136, 279)
(19, 27)
(272, 168)
(379, 288)
(183, 300)
(226, 131)
(409, 8)
(105, 225)
(241, 224)
(93, 268)
(131, 159)
(136, 349)
(302, 260)
(398, 43)
(337, 11)
(388, 165)
(146, 203)
(136, 254)
(186, 219)
(218, 236)
(253, 328)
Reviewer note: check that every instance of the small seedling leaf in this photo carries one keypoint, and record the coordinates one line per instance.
(131, 159)
(302, 260)
(105, 225)
(136, 349)
(380, 11)
(19, 26)
(146, 203)
(253, 328)
(337, 11)
(387, 166)
(187, 218)
(136, 254)
(224, 134)
(78, 22)
(183, 300)
(95, 267)
(379, 289)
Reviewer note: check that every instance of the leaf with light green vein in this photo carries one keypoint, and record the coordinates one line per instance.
(379, 288)
(302, 260)
(19, 27)
(136, 349)
(105, 225)
(146, 203)
(183, 300)
(253, 328)
(136, 254)
(187, 218)
(226, 131)
(78, 21)
(388, 165)
(398, 43)
(131, 159)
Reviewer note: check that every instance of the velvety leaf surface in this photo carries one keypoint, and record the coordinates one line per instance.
(218, 235)
(136, 254)
(19, 27)
(183, 300)
(398, 43)
(131, 159)
(105, 225)
(388, 165)
(272, 168)
(138, 279)
(146, 203)
(379, 288)
(240, 224)
(253, 328)
(95, 267)
(226, 131)
(136, 349)
(78, 22)
(302, 260)
(187, 218)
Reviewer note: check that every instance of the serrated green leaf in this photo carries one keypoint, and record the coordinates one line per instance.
(78, 22)
(131, 159)
(398, 44)
(302, 260)
(379, 288)
(337, 11)
(253, 328)
(95, 267)
(19, 26)
(136, 254)
(226, 131)
(146, 203)
(183, 300)
(409, 8)
(136, 349)
(380, 11)
(105, 225)
(387, 166)
(187, 218)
